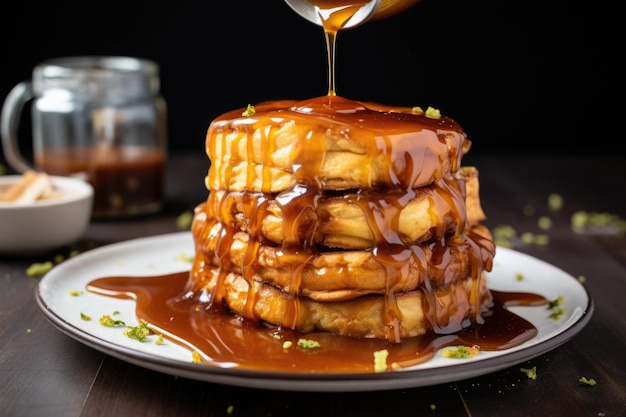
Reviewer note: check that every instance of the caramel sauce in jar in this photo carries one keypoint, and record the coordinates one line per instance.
(128, 180)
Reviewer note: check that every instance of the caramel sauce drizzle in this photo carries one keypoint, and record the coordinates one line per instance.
(418, 160)
(398, 147)
(334, 14)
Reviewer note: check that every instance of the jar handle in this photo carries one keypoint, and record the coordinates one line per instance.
(9, 123)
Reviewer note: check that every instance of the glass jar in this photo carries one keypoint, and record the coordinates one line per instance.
(99, 118)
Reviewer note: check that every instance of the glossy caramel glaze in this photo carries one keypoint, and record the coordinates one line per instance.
(382, 157)
(394, 146)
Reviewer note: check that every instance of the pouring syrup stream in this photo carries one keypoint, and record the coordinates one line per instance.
(334, 15)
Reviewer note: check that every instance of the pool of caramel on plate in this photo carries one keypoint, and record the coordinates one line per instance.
(226, 340)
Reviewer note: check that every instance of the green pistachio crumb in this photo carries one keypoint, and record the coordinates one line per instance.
(195, 357)
(433, 113)
(139, 332)
(308, 344)
(557, 302)
(556, 311)
(505, 231)
(555, 202)
(85, 317)
(159, 340)
(531, 373)
(380, 360)
(287, 344)
(417, 110)
(519, 276)
(544, 223)
(108, 321)
(229, 409)
(249, 111)
(39, 269)
(75, 293)
(184, 220)
(460, 352)
(579, 220)
(504, 235)
(527, 238)
(591, 382)
(582, 278)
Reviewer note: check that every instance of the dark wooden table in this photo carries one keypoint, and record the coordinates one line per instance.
(44, 372)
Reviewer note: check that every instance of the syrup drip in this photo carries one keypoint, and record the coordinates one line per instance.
(334, 15)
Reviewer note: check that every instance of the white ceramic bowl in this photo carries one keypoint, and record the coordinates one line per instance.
(46, 224)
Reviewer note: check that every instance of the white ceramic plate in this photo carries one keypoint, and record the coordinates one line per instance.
(162, 255)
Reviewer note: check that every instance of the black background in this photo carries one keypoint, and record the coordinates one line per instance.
(533, 77)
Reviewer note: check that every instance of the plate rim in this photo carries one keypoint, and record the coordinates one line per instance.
(305, 381)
